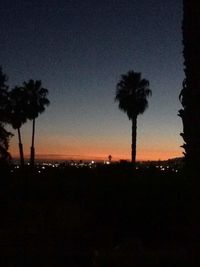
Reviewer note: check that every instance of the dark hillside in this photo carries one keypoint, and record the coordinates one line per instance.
(106, 216)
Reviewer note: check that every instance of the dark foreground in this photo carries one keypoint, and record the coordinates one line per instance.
(107, 216)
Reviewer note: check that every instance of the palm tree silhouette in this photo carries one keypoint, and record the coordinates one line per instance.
(4, 119)
(190, 93)
(132, 93)
(17, 114)
(36, 101)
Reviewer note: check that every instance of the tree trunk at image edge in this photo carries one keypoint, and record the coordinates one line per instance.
(191, 93)
(134, 135)
(32, 157)
(21, 153)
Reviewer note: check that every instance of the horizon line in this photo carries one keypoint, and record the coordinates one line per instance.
(82, 157)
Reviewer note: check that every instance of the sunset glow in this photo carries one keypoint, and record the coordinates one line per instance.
(79, 52)
(91, 153)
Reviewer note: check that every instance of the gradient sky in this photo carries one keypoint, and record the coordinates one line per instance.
(79, 49)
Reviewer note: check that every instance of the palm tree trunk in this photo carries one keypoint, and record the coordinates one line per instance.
(20, 148)
(134, 136)
(32, 157)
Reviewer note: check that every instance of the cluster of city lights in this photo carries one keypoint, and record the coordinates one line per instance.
(43, 166)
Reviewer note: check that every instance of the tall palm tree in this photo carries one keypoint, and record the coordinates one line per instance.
(17, 114)
(132, 92)
(36, 103)
(190, 93)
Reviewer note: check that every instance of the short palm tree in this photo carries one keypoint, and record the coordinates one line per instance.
(36, 101)
(132, 92)
(17, 114)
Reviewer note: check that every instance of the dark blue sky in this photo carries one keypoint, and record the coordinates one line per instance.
(79, 49)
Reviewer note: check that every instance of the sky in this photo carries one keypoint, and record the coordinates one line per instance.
(79, 49)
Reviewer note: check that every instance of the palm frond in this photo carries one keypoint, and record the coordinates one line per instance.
(132, 93)
(36, 98)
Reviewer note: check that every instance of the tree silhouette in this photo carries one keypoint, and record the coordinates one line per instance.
(132, 93)
(36, 97)
(190, 93)
(17, 114)
(4, 134)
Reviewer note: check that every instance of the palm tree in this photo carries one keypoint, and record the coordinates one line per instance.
(132, 92)
(36, 101)
(4, 134)
(17, 114)
(190, 93)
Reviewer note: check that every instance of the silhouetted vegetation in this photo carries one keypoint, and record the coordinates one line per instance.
(132, 92)
(4, 134)
(106, 215)
(16, 107)
(36, 101)
(17, 114)
(96, 217)
(190, 93)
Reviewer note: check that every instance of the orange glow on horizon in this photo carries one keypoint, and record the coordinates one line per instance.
(141, 156)
(58, 148)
